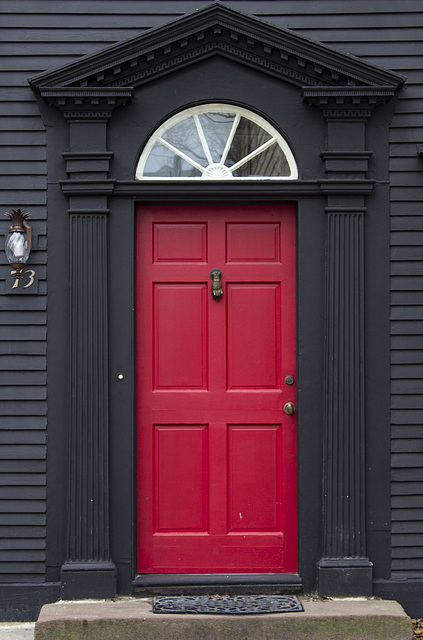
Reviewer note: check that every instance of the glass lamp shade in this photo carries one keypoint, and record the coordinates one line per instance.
(17, 248)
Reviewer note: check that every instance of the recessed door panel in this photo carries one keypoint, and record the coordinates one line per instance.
(180, 242)
(216, 452)
(253, 343)
(180, 335)
(253, 242)
(254, 470)
(181, 478)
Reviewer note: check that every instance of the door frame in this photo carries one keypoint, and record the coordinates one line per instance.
(310, 322)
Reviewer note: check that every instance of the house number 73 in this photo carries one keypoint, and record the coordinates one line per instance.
(31, 276)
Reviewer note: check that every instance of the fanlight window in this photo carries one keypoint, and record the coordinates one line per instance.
(216, 142)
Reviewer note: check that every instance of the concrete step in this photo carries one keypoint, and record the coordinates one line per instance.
(133, 619)
(17, 630)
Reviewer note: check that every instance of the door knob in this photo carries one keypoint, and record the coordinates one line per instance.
(289, 408)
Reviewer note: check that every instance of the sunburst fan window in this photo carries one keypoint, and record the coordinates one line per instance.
(216, 142)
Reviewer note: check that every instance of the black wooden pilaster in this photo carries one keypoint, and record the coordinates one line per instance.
(88, 569)
(344, 568)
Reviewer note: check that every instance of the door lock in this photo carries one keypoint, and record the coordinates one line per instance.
(289, 408)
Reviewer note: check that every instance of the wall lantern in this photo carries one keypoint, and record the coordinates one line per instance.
(18, 241)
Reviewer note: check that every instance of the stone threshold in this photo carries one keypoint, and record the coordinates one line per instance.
(133, 619)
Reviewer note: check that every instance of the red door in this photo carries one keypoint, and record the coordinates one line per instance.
(216, 452)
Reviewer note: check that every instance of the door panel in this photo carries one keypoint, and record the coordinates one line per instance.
(216, 452)
(253, 344)
(253, 481)
(181, 451)
(180, 336)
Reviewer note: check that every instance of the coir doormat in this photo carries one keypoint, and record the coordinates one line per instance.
(227, 605)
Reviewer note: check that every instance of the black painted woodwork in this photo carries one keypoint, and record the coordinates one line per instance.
(88, 570)
(344, 528)
(61, 34)
(344, 568)
(88, 557)
(194, 584)
(217, 29)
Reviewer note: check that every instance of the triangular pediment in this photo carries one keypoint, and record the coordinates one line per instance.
(216, 30)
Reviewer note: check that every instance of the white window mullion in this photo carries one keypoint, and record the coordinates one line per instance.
(253, 154)
(182, 155)
(203, 139)
(230, 139)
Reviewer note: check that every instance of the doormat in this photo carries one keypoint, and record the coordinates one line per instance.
(227, 605)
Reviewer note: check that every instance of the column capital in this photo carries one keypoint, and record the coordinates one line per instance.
(347, 103)
(85, 103)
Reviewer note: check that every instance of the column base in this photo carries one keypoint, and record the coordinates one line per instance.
(88, 580)
(343, 577)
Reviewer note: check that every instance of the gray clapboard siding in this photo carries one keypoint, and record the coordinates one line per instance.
(24, 109)
(407, 514)
(411, 328)
(24, 466)
(405, 401)
(405, 253)
(10, 168)
(406, 312)
(10, 436)
(26, 138)
(22, 154)
(101, 37)
(24, 479)
(28, 408)
(407, 417)
(408, 475)
(22, 333)
(414, 312)
(23, 543)
(403, 223)
(22, 363)
(406, 385)
(408, 502)
(17, 532)
(29, 318)
(24, 303)
(23, 555)
(412, 552)
(340, 38)
(410, 371)
(21, 492)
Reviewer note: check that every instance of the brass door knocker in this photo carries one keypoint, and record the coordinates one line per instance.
(216, 288)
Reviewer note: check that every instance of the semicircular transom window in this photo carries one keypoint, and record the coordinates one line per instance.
(216, 142)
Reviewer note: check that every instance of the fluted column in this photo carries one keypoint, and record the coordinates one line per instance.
(87, 537)
(344, 568)
(88, 569)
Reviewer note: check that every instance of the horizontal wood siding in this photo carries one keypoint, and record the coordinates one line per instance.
(407, 314)
(23, 406)
(36, 35)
